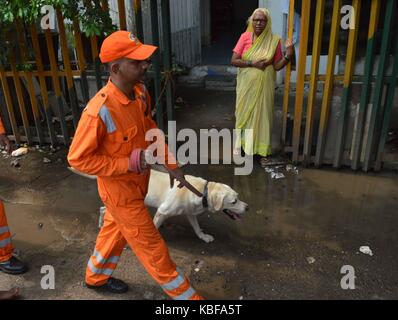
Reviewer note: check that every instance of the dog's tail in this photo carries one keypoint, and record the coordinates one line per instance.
(89, 176)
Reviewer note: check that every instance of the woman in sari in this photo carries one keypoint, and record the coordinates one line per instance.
(258, 55)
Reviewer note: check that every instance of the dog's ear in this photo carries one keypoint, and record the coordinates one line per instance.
(216, 196)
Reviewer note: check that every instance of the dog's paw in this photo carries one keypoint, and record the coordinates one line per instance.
(206, 238)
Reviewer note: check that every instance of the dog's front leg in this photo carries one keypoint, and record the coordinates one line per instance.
(193, 220)
(158, 219)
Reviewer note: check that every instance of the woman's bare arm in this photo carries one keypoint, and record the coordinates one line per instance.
(237, 61)
(279, 65)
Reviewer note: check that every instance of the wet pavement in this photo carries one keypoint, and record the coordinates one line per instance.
(299, 233)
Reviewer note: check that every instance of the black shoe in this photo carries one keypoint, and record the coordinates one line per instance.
(113, 285)
(13, 266)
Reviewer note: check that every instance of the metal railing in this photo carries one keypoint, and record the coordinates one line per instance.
(365, 148)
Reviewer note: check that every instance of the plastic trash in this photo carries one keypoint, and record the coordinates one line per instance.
(20, 152)
(15, 163)
(310, 260)
(269, 169)
(277, 175)
(291, 168)
(366, 250)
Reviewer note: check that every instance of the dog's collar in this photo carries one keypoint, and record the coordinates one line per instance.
(205, 203)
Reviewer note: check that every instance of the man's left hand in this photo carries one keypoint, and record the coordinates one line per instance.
(5, 142)
(176, 174)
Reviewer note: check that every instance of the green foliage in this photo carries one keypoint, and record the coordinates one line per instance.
(93, 19)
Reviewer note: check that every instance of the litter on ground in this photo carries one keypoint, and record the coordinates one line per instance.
(366, 250)
(310, 260)
(20, 152)
(277, 175)
(276, 170)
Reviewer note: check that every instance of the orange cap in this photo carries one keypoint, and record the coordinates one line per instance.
(123, 44)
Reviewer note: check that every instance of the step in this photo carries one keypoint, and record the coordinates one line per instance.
(211, 75)
(221, 80)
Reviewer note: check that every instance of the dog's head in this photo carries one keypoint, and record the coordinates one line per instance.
(223, 198)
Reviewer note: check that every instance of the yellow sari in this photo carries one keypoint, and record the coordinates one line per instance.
(255, 94)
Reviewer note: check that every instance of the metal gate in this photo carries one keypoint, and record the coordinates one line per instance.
(185, 31)
(43, 104)
(350, 125)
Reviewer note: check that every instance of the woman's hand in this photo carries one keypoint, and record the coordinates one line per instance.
(289, 47)
(261, 64)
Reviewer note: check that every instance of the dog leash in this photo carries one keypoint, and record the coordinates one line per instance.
(184, 182)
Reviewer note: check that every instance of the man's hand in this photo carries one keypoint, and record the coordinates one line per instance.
(179, 175)
(143, 163)
(176, 174)
(5, 143)
(137, 162)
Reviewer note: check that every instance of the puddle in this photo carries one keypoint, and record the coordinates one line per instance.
(31, 226)
(333, 208)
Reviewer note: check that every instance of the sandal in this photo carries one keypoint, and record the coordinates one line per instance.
(265, 161)
(268, 161)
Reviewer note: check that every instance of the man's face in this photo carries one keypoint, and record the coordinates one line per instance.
(133, 70)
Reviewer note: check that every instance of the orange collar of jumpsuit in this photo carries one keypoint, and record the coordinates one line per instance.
(118, 94)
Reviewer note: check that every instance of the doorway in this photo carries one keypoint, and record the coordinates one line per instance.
(223, 21)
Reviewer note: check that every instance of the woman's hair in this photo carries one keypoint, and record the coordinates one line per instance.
(263, 10)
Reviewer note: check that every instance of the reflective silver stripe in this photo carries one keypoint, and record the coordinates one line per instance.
(107, 272)
(174, 284)
(5, 242)
(4, 230)
(186, 295)
(102, 260)
(107, 119)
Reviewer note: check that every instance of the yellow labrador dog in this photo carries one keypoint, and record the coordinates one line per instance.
(170, 202)
(217, 197)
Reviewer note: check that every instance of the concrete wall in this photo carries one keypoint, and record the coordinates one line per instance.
(275, 7)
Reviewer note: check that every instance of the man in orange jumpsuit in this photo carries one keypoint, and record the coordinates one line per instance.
(8, 263)
(107, 143)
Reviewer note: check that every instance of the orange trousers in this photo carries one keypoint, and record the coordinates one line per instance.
(133, 225)
(6, 247)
